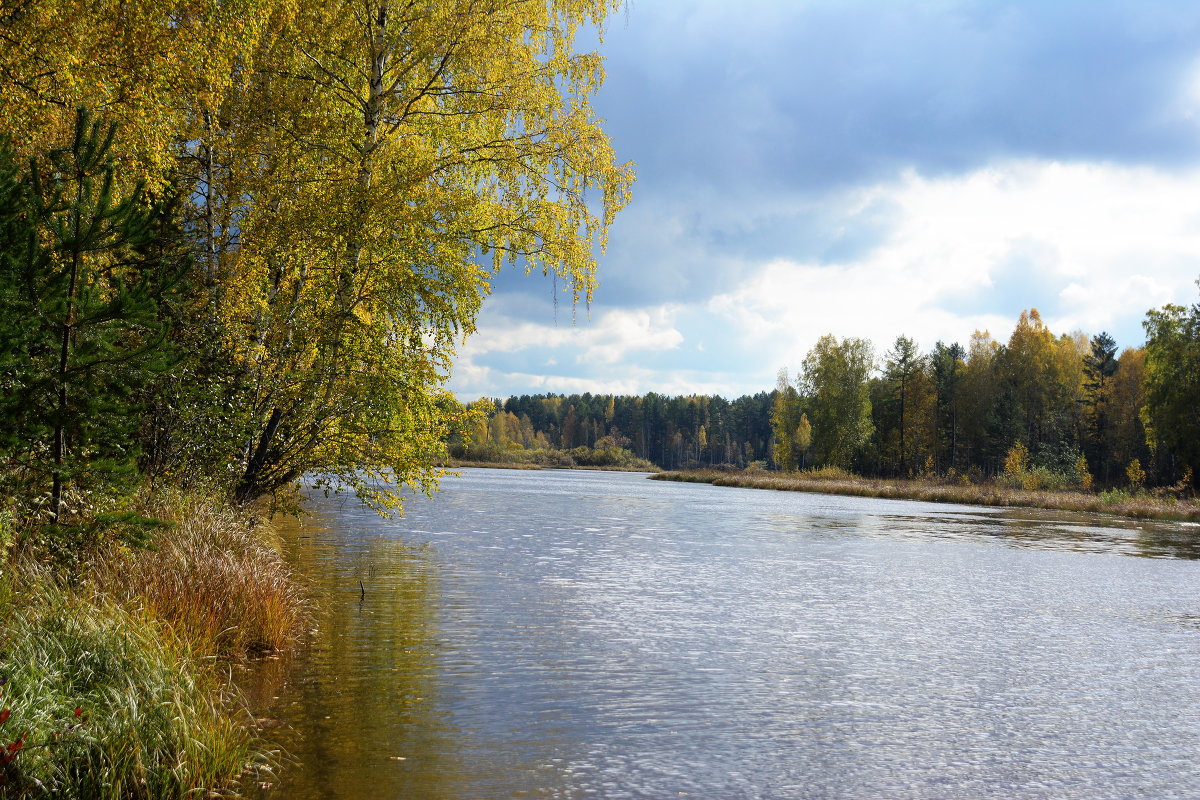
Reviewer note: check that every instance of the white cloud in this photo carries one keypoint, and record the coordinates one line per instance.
(1106, 242)
(476, 381)
(607, 339)
(601, 345)
(1092, 245)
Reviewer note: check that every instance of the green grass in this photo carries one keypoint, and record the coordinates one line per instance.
(139, 640)
(152, 720)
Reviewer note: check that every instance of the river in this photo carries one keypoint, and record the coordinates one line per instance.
(562, 634)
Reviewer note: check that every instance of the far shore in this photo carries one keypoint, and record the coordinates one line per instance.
(1143, 505)
(459, 464)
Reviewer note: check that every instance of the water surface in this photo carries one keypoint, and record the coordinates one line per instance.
(600, 635)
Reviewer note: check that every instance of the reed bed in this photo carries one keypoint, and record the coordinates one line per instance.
(456, 463)
(1142, 505)
(212, 576)
(459, 464)
(114, 675)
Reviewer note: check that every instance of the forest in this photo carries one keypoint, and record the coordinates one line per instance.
(1068, 409)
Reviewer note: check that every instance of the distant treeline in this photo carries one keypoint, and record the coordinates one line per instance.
(1067, 408)
(668, 431)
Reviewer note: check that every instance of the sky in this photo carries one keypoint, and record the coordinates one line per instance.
(867, 169)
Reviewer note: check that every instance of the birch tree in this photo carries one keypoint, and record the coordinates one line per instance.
(402, 141)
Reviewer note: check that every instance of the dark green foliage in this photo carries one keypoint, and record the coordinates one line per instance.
(946, 364)
(1101, 363)
(663, 430)
(1172, 410)
(1099, 366)
(85, 271)
(903, 362)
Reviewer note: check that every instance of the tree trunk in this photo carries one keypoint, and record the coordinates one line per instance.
(64, 357)
(249, 486)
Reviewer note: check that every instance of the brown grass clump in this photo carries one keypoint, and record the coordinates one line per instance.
(1140, 505)
(212, 577)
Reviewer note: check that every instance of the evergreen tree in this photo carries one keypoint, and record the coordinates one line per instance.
(947, 363)
(903, 362)
(83, 273)
(1099, 366)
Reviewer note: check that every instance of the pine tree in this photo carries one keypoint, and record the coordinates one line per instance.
(948, 363)
(1099, 366)
(903, 362)
(83, 273)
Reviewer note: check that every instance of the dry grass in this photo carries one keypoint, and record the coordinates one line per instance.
(1143, 506)
(212, 577)
(110, 686)
(455, 463)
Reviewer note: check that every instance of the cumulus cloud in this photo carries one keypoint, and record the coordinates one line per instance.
(870, 169)
(551, 357)
(611, 337)
(1094, 246)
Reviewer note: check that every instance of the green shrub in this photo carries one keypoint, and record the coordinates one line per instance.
(617, 457)
(1046, 478)
(1113, 497)
(827, 473)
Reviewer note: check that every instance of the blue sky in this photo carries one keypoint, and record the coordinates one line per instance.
(868, 169)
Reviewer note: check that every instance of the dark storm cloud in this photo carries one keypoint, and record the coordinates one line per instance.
(800, 97)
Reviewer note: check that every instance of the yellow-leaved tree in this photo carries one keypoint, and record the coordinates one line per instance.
(393, 145)
(152, 66)
(358, 172)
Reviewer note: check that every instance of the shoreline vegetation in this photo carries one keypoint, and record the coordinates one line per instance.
(116, 665)
(604, 456)
(1171, 504)
(213, 284)
(459, 464)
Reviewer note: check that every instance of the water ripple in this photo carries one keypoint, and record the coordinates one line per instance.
(591, 635)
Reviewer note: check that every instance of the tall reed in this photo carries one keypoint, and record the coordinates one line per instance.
(212, 577)
(826, 481)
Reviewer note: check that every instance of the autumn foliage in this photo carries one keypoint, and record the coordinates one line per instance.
(351, 176)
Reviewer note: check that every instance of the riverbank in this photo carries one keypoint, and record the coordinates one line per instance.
(490, 454)
(115, 667)
(1139, 506)
(460, 464)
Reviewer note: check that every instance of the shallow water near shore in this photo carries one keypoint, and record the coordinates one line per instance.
(599, 635)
